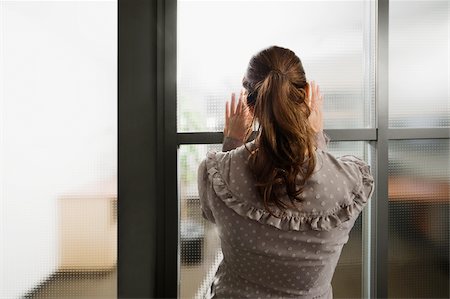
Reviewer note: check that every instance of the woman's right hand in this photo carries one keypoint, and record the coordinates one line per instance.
(238, 118)
(315, 103)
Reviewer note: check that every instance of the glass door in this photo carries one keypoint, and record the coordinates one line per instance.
(58, 149)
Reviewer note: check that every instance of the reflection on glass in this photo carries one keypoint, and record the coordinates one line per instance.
(200, 245)
(334, 40)
(58, 149)
(419, 203)
(419, 60)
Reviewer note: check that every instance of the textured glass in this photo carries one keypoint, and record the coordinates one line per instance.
(200, 245)
(347, 278)
(58, 149)
(419, 204)
(200, 252)
(419, 63)
(216, 39)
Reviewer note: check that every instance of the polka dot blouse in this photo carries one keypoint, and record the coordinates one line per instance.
(294, 253)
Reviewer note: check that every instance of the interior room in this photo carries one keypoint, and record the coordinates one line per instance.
(108, 108)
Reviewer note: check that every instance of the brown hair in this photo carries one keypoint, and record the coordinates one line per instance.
(277, 93)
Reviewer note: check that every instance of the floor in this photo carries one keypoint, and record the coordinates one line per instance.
(346, 282)
(78, 286)
(413, 273)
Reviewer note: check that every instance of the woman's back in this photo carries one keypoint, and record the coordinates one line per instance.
(292, 253)
(271, 248)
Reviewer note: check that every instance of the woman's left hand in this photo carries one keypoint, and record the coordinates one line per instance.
(237, 118)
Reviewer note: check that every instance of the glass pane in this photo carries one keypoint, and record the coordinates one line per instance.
(419, 60)
(200, 245)
(347, 279)
(58, 149)
(200, 253)
(419, 204)
(334, 40)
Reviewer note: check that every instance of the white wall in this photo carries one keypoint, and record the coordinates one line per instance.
(58, 120)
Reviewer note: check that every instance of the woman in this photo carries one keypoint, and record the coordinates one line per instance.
(282, 204)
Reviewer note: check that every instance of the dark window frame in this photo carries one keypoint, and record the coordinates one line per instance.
(148, 207)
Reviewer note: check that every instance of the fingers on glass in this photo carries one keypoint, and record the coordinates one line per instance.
(312, 92)
(319, 97)
(316, 99)
(312, 95)
(227, 114)
(233, 103)
(235, 108)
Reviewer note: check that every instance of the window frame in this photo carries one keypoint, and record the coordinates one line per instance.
(162, 246)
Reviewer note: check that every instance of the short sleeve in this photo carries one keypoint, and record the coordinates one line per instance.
(205, 188)
(364, 181)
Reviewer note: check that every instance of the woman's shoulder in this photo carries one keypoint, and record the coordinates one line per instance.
(230, 165)
(347, 169)
(328, 199)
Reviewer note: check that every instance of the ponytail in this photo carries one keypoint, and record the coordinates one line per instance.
(285, 140)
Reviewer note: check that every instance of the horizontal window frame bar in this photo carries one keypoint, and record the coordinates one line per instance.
(335, 135)
(418, 133)
(370, 134)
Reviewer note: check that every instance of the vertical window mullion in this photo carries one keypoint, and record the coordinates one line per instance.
(380, 258)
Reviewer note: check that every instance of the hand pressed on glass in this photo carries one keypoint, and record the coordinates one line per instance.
(315, 103)
(237, 118)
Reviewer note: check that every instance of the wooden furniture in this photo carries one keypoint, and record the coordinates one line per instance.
(87, 228)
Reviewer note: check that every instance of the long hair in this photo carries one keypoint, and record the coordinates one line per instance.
(285, 156)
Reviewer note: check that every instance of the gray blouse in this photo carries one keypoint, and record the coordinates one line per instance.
(290, 255)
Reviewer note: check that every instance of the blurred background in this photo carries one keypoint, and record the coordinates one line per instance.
(58, 133)
(58, 150)
(336, 42)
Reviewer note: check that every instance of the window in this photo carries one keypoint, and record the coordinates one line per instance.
(419, 178)
(336, 43)
(58, 149)
(383, 68)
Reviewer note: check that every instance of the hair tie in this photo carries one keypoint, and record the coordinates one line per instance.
(275, 71)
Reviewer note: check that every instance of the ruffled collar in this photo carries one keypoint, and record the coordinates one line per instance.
(218, 163)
